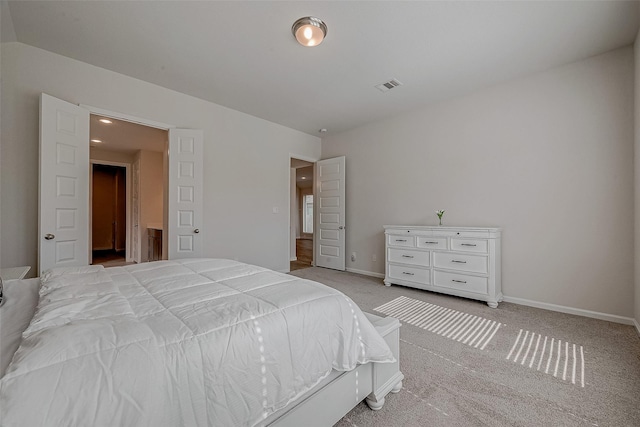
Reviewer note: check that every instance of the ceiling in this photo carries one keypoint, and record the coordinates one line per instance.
(304, 177)
(127, 137)
(242, 54)
(304, 173)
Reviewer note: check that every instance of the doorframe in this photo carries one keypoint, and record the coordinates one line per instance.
(145, 122)
(126, 117)
(127, 167)
(313, 185)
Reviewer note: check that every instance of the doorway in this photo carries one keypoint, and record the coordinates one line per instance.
(128, 186)
(302, 214)
(63, 200)
(108, 214)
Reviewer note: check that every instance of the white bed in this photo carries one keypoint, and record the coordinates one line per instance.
(194, 342)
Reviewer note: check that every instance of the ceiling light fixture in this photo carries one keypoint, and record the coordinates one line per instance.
(107, 121)
(309, 31)
(96, 140)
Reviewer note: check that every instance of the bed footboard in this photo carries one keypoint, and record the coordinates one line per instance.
(386, 376)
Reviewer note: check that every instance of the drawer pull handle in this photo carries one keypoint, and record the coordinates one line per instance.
(407, 256)
(430, 243)
(459, 262)
(408, 274)
(468, 244)
(401, 240)
(458, 281)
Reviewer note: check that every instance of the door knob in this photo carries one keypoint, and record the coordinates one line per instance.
(341, 227)
(197, 230)
(49, 236)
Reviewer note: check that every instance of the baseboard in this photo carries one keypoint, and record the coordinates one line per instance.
(577, 311)
(366, 273)
(295, 258)
(546, 306)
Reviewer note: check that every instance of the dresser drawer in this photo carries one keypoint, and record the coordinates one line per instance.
(460, 281)
(411, 274)
(404, 241)
(470, 263)
(470, 245)
(407, 256)
(432, 242)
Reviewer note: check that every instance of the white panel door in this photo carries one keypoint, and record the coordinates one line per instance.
(330, 207)
(185, 193)
(64, 184)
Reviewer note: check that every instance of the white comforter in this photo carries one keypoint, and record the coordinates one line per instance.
(179, 343)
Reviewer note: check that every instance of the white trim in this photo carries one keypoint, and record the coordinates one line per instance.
(295, 258)
(127, 172)
(546, 306)
(129, 118)
(365, 273)
(570, 310)
(299, 157)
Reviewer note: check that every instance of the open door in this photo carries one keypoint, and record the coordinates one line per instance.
(185, 193)
(63, 229)
(330, 207)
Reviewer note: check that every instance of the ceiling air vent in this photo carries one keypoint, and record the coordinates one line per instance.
(386, 86)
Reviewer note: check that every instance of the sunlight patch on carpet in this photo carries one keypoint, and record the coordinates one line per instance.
(561, 359)
(465, 328)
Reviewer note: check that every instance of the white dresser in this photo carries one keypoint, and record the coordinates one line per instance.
(462, 261)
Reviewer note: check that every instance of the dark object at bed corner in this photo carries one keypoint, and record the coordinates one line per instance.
(1, 294)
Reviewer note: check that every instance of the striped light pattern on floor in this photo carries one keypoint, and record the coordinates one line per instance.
(468, 329)
(549, 355)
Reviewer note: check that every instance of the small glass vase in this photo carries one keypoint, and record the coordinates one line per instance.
(440, 221)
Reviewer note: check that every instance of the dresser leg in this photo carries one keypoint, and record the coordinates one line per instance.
(492, 304)
(387, 283)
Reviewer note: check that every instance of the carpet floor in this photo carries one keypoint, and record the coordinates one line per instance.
(466, 364)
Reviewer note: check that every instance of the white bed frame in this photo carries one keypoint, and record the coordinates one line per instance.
(340, 392)
(336, 395)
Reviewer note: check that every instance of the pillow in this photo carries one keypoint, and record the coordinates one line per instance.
(21, 298)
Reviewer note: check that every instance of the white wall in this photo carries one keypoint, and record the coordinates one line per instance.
(110, 156)
(549, 158)
(636, 51)
(151, 197)
(239, 150)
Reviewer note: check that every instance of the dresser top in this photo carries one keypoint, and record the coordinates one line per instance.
(440, 228)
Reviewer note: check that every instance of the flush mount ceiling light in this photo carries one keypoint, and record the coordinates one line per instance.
(309, 31)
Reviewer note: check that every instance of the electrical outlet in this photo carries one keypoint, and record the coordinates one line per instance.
(353, 256)
(374, 258)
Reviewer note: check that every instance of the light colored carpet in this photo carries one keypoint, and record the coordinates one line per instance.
(466, 364)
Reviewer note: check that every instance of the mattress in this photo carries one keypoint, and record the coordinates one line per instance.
(190, 342)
